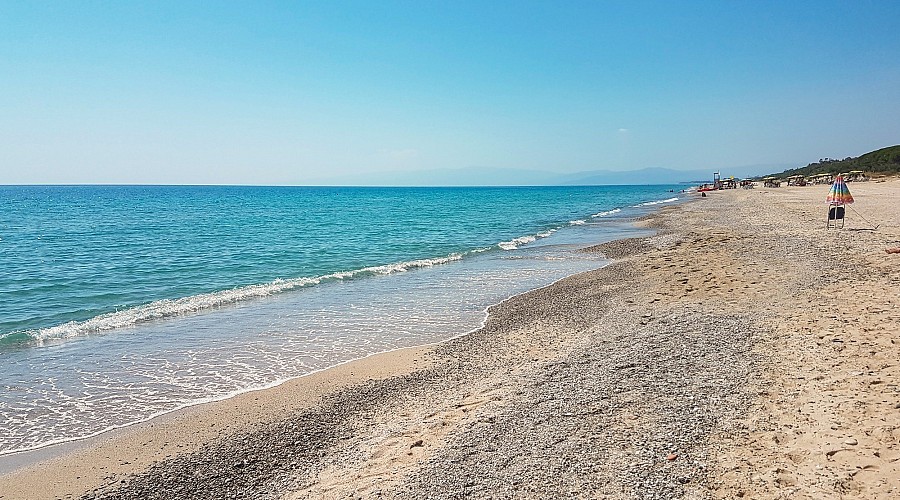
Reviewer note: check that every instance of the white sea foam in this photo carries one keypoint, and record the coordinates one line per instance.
(185, 305)
(524, 240)
(576, 222)
(657, 202)
(607, 213)
(516, 242)
(406, 266)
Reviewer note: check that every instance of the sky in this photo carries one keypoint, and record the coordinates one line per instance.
(296, 92)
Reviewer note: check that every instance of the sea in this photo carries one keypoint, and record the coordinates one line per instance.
(121, 303)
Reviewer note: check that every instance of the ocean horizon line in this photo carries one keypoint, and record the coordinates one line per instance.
(117, 184)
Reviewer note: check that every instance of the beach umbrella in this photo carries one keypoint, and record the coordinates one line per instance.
(839, 194)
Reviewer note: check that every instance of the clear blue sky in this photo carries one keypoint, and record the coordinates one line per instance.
(289, 92)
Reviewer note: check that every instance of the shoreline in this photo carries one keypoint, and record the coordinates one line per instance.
(48, 451)
(20, 459)
(707, 361)
(123, 450)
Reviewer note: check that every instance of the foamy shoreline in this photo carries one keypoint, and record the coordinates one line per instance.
(11, 461)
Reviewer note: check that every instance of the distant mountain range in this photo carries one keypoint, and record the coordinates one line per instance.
(487, 176)
(886, 160)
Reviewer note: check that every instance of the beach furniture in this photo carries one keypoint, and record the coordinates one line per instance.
(838, 196)
(835, 214)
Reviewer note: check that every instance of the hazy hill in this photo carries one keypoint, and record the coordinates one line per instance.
(485, 176)
(472, 176)
(885, 160)
(659, 175)
(652, 175)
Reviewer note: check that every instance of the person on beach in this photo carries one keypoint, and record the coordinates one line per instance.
(892, 250)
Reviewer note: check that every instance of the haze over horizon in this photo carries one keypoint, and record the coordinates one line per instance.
(287, 93)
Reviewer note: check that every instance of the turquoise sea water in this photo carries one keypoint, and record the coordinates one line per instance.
(118, 303)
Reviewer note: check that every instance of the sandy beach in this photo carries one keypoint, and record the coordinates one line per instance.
(744, 351)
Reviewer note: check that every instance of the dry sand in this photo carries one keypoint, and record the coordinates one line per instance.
(743, 351)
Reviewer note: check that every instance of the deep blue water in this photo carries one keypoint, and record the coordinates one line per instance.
(121, 302)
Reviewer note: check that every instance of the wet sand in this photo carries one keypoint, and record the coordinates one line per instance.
(743, 351)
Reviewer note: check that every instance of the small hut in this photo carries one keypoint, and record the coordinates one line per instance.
(855, 176)
(821, 179)
(796, 180)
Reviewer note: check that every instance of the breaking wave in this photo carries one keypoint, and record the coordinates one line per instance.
(524, 240)
(167, 308)
(607, 213)
(657, 202)
(175, 307)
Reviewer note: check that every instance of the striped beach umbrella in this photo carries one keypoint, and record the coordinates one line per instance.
(839, 194)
